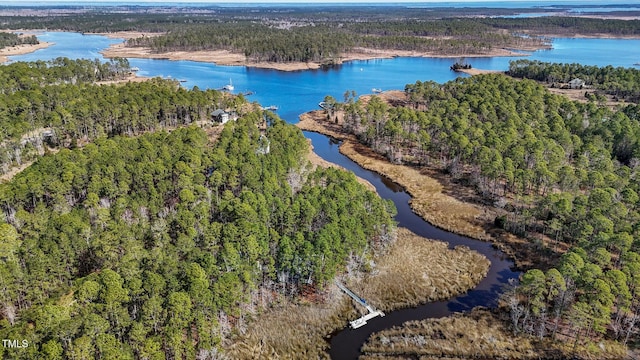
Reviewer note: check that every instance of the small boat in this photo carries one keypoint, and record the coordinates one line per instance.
(229, 86)
(135, 68)
(376, 90)
(270, 108)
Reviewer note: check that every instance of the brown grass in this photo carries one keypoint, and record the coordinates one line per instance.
(20, 49)
(417, 271)
(410, 272)
(15, 170)
(130, 78)
(429, 200)
(479, 334)
(475, 335)
(293, 331)
(474, 71)
(434, 196)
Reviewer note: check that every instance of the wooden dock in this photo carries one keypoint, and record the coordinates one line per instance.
(362, 321)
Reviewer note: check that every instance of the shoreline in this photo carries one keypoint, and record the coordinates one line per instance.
(229, 58)
(429, 192)
(413, 270)
(317, 161)
(412, 181)
(21, 50)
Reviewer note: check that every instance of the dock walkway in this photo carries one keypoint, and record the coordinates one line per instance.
(372, 311)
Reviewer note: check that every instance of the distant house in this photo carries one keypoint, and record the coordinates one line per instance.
(220, 116)
(264, 145)
(576, 83)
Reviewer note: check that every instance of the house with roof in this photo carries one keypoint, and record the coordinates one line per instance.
(220, 116)
(576, 83)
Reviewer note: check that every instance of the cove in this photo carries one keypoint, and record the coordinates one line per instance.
(301, 91)
(346, 343)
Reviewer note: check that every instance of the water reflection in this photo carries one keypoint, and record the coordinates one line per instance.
(346, 343)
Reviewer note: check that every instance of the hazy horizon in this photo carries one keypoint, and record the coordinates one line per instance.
(581, 2)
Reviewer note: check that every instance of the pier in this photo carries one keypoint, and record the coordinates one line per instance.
(362, 321)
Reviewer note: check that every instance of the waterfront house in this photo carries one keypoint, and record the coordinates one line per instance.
(220, 116)
(576, 83)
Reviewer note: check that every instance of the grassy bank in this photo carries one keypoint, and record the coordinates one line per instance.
(429, 198)
(316, 160)
(477, 335)
(413, 270)
(435, 198)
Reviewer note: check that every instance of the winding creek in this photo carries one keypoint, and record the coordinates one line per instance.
(346, 343)
(300, 91)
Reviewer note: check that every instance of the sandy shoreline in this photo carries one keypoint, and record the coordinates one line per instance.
(229, 58)
(20, 50)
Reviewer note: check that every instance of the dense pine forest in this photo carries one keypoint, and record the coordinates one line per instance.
(564, 174)
(622, 83)
(10, 39)
(324, 41)
(308, 34)
(48, 105)
(131, 232)
(123, 240)
(155, 246)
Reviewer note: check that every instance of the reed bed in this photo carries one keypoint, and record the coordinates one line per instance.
(293, 330)
(413, 270)
(474, 336)
(430, 196)
(429, 199)
(417, 271)
(479, 334)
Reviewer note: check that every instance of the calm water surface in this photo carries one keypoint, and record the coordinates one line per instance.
(300, 91)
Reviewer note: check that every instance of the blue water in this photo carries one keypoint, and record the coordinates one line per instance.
(572, 11)
(300, 91)
(71, 45)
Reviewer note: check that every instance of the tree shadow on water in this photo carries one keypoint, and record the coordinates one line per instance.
(482, 297)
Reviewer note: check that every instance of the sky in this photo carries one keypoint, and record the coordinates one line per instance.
(309, 1)
(489, 3)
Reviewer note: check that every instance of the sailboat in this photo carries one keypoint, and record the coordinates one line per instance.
(229, 86)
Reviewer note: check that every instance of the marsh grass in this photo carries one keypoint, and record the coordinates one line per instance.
(293, 330)
(413, 270)
(480, 334)
(416, 271)
(477, 335)
(429, 199)
(435, 198)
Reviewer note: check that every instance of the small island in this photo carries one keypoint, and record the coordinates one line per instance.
(460, 65)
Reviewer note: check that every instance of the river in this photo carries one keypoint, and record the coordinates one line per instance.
(300, 91)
